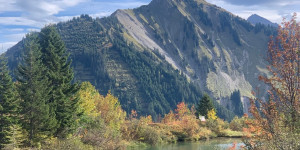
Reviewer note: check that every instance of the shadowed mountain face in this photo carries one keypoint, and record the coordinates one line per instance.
(169, 51)
(256, 19)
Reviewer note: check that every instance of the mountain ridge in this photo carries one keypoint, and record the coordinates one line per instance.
(157, 55)
(166, 5)
(255, 19)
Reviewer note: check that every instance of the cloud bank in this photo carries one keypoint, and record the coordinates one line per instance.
(18, 17)
(273, 10)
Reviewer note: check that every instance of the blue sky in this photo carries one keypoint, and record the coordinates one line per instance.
(18, 17)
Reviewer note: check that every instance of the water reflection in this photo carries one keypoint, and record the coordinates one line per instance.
(213, 144)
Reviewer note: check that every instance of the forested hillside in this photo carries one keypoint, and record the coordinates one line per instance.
(44, 107)
(156, 56)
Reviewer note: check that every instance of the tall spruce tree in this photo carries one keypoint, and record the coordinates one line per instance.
(9, 103)
(237, 103)
(33, 87)
(60, 74)
(204, 106)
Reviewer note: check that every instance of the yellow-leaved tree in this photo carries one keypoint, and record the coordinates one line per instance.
(111, 111)
(96, 106)
(211, 114)
(87, 99)
(102, 118)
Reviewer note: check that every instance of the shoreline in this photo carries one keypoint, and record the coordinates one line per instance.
(216, 141)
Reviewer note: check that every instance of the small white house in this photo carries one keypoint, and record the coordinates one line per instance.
(202, 118)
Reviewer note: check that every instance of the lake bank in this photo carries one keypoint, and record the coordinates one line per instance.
(219, 143)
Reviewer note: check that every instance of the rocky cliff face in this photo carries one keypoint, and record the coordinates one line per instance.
(217, 50)
(166, 52)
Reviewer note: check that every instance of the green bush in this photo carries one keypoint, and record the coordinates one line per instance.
(73, 143)
(101, 137)
(237, 124)
(149, 135)
(138, 130)
(217, 126)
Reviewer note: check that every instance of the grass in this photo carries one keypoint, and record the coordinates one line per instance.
(228, 59)
(217, 51)
(131, 39)
(230, 133)
(136, 145)
(205, 51)
(143, 18)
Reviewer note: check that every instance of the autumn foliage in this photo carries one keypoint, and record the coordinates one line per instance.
(184, 124)
(211, 114)
(103, 123)
(102, 118)
(276, 123)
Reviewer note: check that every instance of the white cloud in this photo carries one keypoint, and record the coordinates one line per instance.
(125, 4)
(69, 3)
(6, 45)
(33, 30)
(35, 14)
(100, 15)
(273, 10)
(261, 2)
(11, 30)
(20, 21)
(7, 5)
(36, 10)
(16, 30)
(287, 2)
(63, 18)
(41, 9)
(15, 37)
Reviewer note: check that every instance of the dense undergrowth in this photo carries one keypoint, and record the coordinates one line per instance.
(104, 125)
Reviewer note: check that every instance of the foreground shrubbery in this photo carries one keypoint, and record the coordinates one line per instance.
(103, 125)
(180, 125)
(144, 130)
(109, 129)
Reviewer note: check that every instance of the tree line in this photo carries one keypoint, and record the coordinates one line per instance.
(42, 100)
(45, 102)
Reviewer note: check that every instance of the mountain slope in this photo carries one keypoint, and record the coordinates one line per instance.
(166, 52)
(255, 19)
(142, 80)
(208, 44)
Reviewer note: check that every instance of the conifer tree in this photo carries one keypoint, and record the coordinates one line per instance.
(237, 103)
(33, 87)
(60, 74)
(204, 106)
(8, 102)
(16, 137)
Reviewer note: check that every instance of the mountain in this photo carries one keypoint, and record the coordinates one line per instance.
(155, 56)
(256, 19)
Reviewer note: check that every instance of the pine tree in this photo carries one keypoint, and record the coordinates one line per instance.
(60, 74)
(204, 106)
(33, 87)
(16, 137)
(237, 103)
(8, 102)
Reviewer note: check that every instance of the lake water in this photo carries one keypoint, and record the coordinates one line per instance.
(212, 144)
